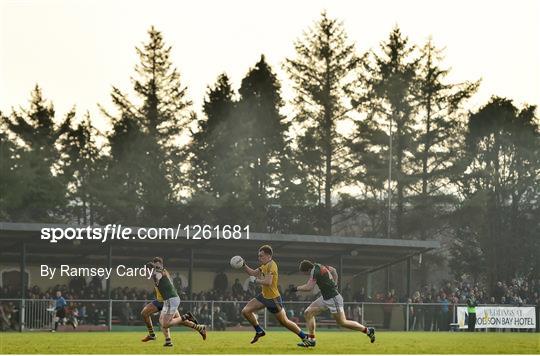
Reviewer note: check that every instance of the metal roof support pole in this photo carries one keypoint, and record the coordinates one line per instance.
(408, 316)
(340, 273)
(362, 317)
(109, 265)
(409, 277)
(369, 284)
(190, 274)
(23, 286)
(212, 319)
(388, 279)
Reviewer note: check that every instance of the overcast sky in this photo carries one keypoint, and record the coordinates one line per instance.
(76, 50)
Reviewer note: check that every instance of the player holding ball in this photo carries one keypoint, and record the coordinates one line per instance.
(267, 276)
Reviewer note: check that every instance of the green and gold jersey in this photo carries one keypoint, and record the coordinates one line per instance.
(164, 285)
(159, 298)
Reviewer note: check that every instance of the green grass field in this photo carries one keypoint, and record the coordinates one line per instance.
(275, 342)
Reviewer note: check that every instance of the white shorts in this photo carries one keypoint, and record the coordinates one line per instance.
(335, 304)
(170, 306)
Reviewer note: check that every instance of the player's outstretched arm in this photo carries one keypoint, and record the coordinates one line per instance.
(308, 287)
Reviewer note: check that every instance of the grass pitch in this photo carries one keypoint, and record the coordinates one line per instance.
(275, 342)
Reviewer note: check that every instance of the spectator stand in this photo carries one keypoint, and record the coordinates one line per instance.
(20, 243)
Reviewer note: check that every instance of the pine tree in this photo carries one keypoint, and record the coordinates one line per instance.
(237, 151)
(123, 202)
(500, 171)
(83, 171)
(149, 187)
(214, 158)
(262, 132)
(42, 193)
(440, 114)
(324, 76)
(466, 257)
(386, 136)
(10, 183)
(214, 139)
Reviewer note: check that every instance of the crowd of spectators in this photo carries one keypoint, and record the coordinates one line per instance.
(430, 307)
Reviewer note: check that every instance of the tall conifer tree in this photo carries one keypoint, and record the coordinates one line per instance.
(324, 77)
(145, 167)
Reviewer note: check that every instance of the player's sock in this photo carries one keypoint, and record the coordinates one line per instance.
(190, 317)
(150, 328)
(365, 331)
(201, 328)
(302, 335)
(258, 329)
(55, 326)
(311, 336)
